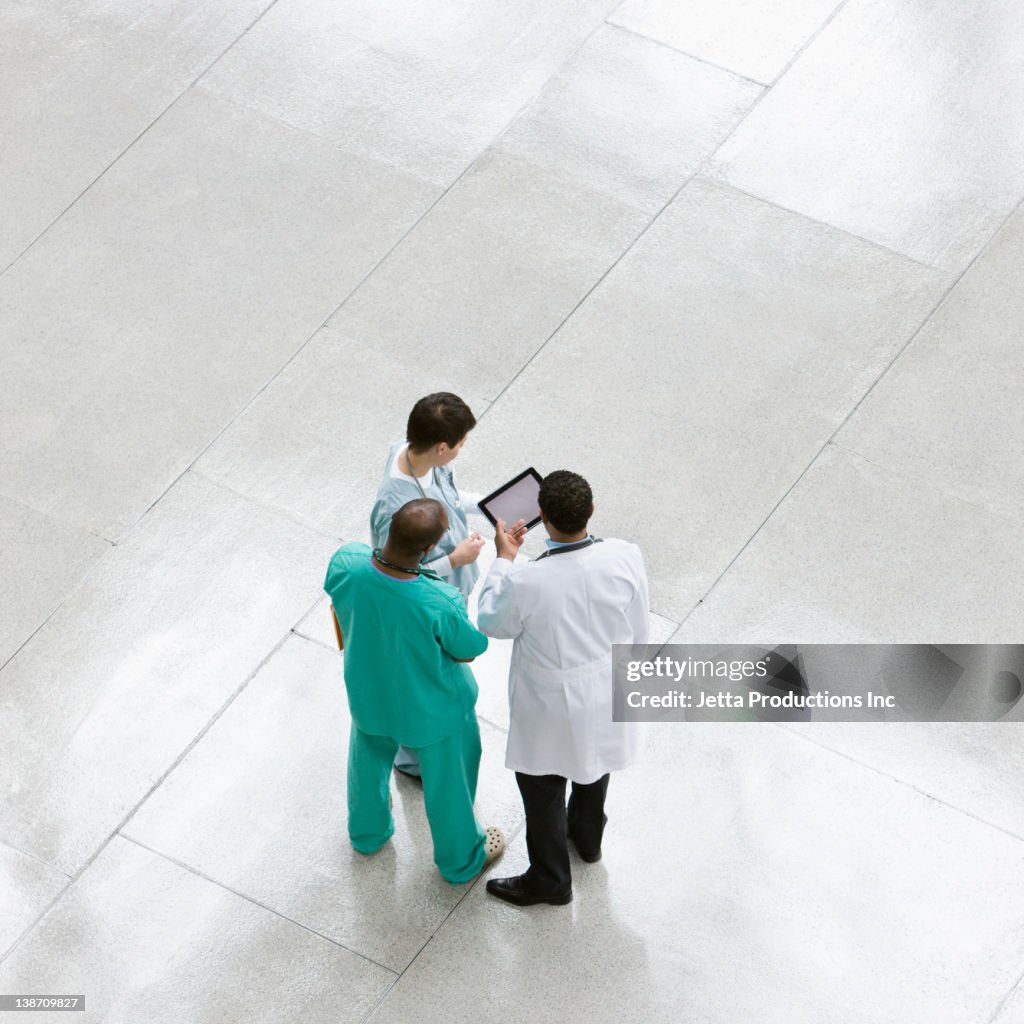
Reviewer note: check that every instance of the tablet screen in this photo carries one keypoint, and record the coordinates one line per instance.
(515, 500)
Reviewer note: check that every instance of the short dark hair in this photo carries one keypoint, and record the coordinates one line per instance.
(439, 417)
(566, 500)
(419, 524)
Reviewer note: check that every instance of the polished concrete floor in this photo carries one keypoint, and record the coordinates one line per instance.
(752, 266)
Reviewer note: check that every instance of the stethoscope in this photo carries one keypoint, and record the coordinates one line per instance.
(445, 476)
(577, 546)
(429, 573)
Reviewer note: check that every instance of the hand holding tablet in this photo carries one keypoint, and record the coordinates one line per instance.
(514, 501)
(507, 542)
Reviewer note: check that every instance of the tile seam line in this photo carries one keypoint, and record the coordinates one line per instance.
(313, 640)
(836, 11)
(943, 296)
(63, 524)
(131, 145)
(273, 510)
(902, 782)
(34, 856)
(305, 614)
(696, 172)
(276, 510)
(1005, 1001)
(683, 53)
(493, 725)
(92, 570)
(365, 277)
(927, 485)
(509, 839)
(586, 295)
(643, 231)
(887, 250)
(394, 165)
(255, 902)
(152, 789)
(276, 118)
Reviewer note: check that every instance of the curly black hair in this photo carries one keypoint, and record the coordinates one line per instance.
(566, 500)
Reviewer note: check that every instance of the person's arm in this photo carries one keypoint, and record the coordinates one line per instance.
(498, 613)
(442, 566)
(380, 522)
(458, 637)
(470, 501)
(639, 611)
(497, 610)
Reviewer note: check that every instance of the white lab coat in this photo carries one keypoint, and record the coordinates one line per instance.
(565, 611)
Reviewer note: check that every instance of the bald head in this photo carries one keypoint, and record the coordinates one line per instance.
(416, 527)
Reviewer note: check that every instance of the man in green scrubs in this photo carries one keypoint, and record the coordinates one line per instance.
(407, 639)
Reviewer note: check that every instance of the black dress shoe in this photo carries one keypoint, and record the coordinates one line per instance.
(590, 856)
(512, 890)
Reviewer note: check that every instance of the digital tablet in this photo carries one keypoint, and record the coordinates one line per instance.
(515, 500)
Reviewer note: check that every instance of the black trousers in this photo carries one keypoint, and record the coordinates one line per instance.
(548, 822)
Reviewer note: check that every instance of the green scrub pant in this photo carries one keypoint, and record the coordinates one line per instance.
(449, 771)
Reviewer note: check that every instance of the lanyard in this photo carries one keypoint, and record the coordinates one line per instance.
(437, 479)
(429, 573)
(419, 486)
(578, 546)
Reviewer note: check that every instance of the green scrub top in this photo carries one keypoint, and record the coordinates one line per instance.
(401, 638)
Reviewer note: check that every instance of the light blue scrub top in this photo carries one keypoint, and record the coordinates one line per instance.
(394, 492)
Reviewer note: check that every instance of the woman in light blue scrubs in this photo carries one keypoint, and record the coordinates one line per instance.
(418, 468)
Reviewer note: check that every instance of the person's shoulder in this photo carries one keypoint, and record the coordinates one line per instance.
(394, 488)
(350, 557)
(625, 552)
(391, 463)
(443, 594)
(620, 546)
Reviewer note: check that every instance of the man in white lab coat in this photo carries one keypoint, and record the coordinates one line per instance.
(565, 609)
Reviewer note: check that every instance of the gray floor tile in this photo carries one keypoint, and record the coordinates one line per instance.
(27, 886)
(749, 37)
(973, 766)
(145, 940)
(490, 273)
(948, 414)
(900, 123)
(81, 82)
(169, 296)
(309, 444)
(712, 364)
(864, 875)
(743, 852)
(854, 555)
(273, 826)
(629, 118)
(662, 629)
(492, 269)
(41, 563)
(421, 88)
(118, 682)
